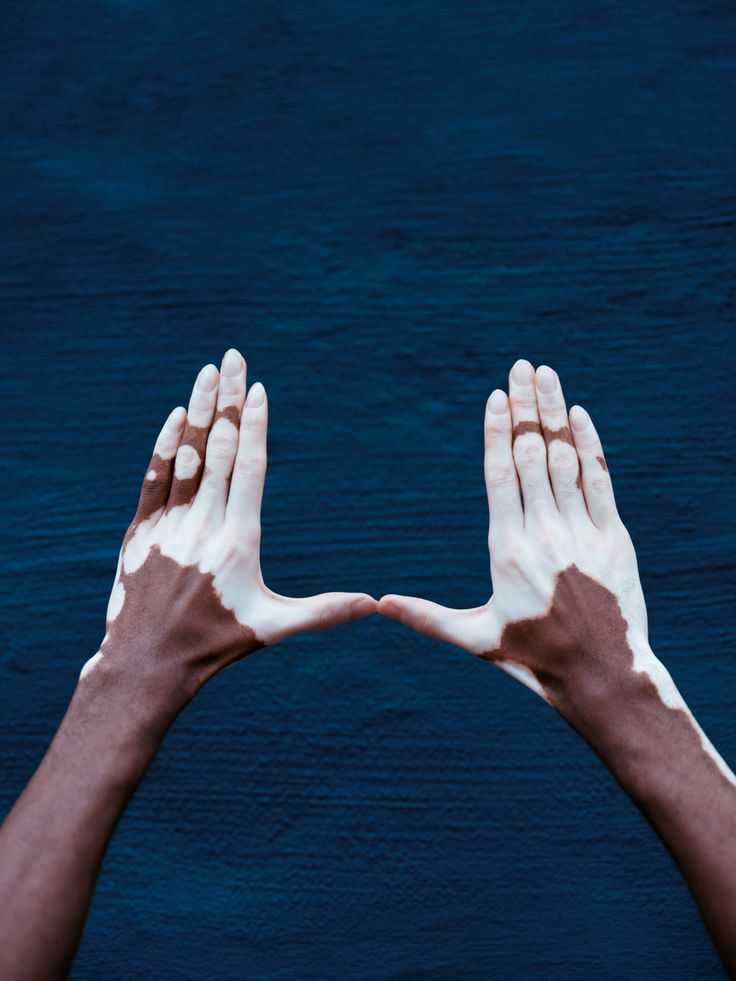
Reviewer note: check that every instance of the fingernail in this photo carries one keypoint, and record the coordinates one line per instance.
(579, 417)
(207, 378)
(363, 606)
(256, 396)
(546, 379)
(522, 372)
(497, 402)
(231, 363)
(176, 420)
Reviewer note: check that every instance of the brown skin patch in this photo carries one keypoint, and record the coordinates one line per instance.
(579, 652)
(579, 481)
(602, 463)
(184, 491)
(231, 413)
(170, 636)
(155, 493)
(173, 626)
(526, 426)
(563, 433)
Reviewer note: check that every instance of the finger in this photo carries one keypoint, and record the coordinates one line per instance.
(222, 443)
(597, 485)
(458, 627)
(562, 459)
(249, 473)
(190, 455)
(530, 453)
(319, 612)
(157, 482)
(502, 484)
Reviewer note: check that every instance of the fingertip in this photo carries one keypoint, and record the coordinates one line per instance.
(546, 379)
(207, 378)
(522, 372)
(176, 420)
(390, 606)
(256, 396)
(232, 363)
(364, 606)
(579, 418)
(498, 402)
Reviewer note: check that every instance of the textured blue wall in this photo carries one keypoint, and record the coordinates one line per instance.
(382, 205)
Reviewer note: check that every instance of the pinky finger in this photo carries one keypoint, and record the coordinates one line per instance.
(597, 486)
(157, 482)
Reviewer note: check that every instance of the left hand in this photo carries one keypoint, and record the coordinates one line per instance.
(189, 597)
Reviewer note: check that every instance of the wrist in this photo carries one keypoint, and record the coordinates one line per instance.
(646, 735)
(113, 726)
(140, 694)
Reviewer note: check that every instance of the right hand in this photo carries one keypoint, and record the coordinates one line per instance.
(567, 615)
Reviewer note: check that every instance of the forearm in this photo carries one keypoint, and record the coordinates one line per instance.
(669, 768)
(53, 841)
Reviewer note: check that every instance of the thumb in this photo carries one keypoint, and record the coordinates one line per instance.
(321, 612)
(458, 627)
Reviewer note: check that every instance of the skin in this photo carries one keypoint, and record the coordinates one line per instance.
(567, 618)
(187, 601)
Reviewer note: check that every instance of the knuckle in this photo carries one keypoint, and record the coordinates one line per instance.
(252, 465)
(328, 615)
(222, 445)
(508, 554)
(248, 538)
(563, 458)
(500, 422)
(525, 397)
(531, 451)
(502, 473)
(548, 545)
(187, 454)
(425, 623)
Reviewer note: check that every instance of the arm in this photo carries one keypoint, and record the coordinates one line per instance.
(188, 600)
(567, 618)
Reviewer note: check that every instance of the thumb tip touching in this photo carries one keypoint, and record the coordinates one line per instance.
(390, 606)
(363, 606)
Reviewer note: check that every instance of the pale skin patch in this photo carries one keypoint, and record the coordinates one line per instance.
(528, 556)
(188, 462)
(151, 475)
(117, 598)
(90, 665)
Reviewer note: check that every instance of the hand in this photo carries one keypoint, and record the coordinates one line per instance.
(189, 597)
(567, 615)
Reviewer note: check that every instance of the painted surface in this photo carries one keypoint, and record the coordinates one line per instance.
(382, 206)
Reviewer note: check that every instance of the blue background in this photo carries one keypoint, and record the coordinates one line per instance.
(383, 205)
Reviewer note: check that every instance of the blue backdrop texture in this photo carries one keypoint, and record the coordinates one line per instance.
(382, 205)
